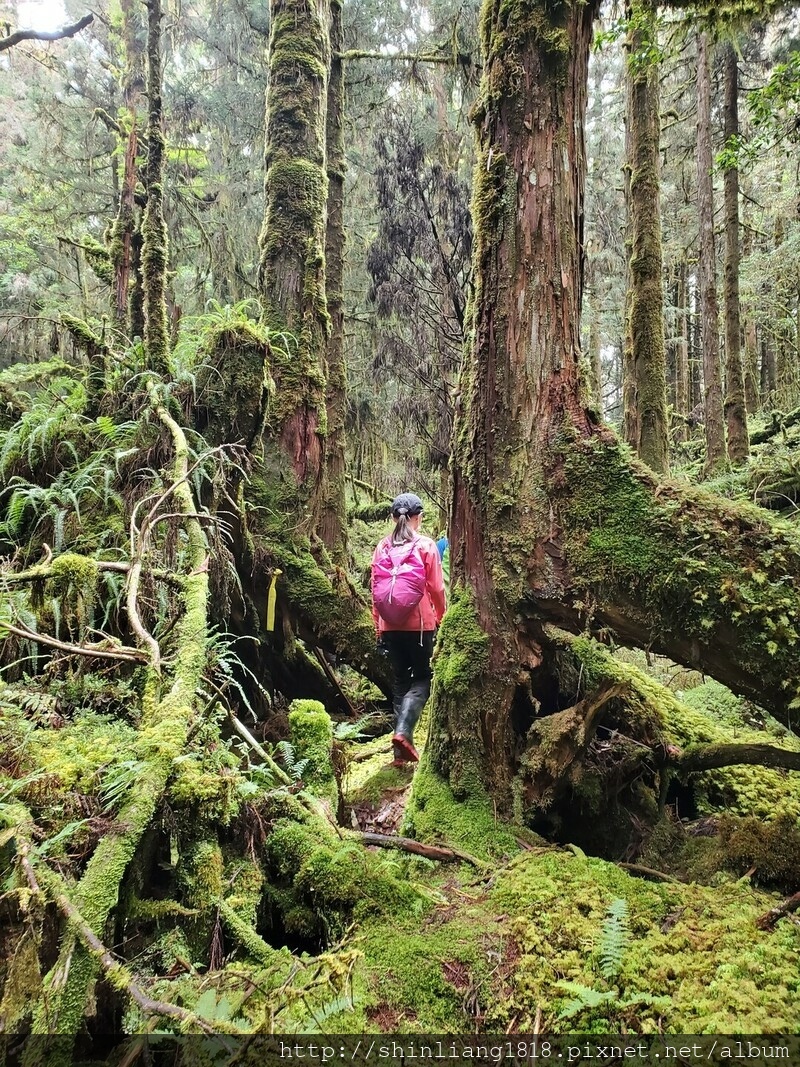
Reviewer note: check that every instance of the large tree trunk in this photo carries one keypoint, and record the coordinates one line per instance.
(709, 318)
(645, 400)
(735, 410)
(551, 521)
(274, 390)
(292, 266)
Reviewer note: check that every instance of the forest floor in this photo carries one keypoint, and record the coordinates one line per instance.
(548, 939)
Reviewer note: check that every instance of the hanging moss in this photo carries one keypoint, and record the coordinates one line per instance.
(98, 258)
(73, 581)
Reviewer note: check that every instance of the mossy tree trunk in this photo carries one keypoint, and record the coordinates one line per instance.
(644, 382)
(273, 387)
(125, 229)
(154, 227)
(333, 520)
(552, 522)
(735, 409)
(709, 319)
(682, 353)
(292, 265)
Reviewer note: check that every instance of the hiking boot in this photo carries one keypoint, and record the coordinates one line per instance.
(404, 750)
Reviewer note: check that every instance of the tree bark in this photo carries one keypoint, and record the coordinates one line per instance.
(735, 409)
(123, 235)
(709, 318)
(682, 353)
(645, 399)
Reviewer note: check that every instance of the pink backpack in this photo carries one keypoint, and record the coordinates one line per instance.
(398, 581)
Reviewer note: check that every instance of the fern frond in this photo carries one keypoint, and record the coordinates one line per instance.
(584, 998)
(615, 938)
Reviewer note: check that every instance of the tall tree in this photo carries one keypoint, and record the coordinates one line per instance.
(551, 522)
(332, 526)
(735, 409)
(644, 381)
(154, 226)
(292, 267)
(709, 318)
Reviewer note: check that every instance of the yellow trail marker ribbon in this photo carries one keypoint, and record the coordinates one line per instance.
(272, 597)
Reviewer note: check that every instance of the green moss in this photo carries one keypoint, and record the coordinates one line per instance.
(463, 651)
(76, 757)
(73, 580)
(97, 256)
(201, 874)
(694, 944)
(434, 815)
(772, 848)
(331, 878)
(711, 714)
(687, 560)
(234, 382)
(311, 733)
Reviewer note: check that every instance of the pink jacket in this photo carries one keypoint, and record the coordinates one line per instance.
(432, 605)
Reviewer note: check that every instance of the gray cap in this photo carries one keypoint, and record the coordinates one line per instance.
(406, 504)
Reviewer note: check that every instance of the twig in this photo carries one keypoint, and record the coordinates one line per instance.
(245, 734)
(123, 652)
(648, 872)
(132, 607)
(320, 655)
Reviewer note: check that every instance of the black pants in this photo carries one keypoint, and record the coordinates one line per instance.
(410, 656)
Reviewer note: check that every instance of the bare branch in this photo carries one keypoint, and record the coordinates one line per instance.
(99, 651)
(769, 918)
(44, 35)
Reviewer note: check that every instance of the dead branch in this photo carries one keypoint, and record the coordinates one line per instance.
(431, 852)
(44, 35)
(769, 918)
(707, 757)
(43, 570)
(98, 651)
(648, 872)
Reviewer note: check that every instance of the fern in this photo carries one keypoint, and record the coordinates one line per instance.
(354, 731)
(295, 767)
(615, 938)
(584, 998)
(119, 780)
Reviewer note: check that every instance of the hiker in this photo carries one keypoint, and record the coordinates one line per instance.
(408, 603)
